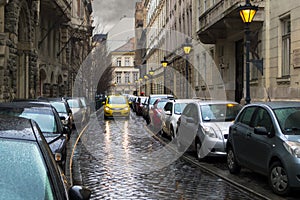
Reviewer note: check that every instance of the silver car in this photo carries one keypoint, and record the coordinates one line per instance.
(265, 138)
(203, 127)
(171, 114)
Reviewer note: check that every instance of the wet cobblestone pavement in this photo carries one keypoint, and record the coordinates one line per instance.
(119, 159)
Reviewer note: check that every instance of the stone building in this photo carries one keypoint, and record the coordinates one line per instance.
(42, 45)
(216, 65)
(125, 75)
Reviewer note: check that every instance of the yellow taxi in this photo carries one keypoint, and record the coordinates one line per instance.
(116, 106)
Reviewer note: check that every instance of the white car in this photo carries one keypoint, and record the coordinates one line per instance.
(203, 127)
(172, 111)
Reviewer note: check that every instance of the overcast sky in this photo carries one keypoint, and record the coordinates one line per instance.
(109, 12)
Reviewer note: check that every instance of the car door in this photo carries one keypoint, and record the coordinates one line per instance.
(188, 122)
(258, 156)
(166, 116)
(240, 134)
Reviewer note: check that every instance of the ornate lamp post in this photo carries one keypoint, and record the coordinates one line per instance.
(187, 46)
(164, 63)
(151, 72)
(247, 13)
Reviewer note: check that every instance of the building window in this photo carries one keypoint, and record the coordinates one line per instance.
(135, 76)
(127, 78)
(119, 62)
(127, 61)
(118, 77)
(286, 46)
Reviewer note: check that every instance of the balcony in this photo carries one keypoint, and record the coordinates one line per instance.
(62, 8)
(223, 20)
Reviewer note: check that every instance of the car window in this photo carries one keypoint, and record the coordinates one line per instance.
(262, 119)
(74, 103)
(168, 106)
(246, 115)
(178, 108)
(288, 119)
(59, 106)
(23, 171)
(116, 100)
(219, 112)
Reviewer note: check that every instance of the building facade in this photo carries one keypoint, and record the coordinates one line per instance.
(216, 64)
(125, 75)
(42, 44)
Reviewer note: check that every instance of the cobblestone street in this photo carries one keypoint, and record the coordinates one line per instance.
(115, 161)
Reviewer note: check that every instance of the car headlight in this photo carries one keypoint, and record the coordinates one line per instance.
(209, 131)
(293, 148)
(126, 108)
(64, 122)
(106, 108)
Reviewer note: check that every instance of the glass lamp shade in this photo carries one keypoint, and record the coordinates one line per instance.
(164, 62)
(247, 12)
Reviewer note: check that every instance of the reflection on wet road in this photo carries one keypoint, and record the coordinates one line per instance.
(119, 159)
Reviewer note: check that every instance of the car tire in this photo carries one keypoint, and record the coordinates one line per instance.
(172, 133)
(278, 179)
(198, 149)
(105, 117)
(233, 166)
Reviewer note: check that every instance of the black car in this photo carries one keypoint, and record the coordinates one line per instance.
(63, 109)
(27, 168)
(48, 120)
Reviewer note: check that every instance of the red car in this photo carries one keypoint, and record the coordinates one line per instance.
(155, 114)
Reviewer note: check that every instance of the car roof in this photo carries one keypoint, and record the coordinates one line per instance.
(205, 102)
(16, 127)
(27, 104)
(278, 104)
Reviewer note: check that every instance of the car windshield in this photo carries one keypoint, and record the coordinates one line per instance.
(59, 106)
(23, 172)
(116, 100)
(44, 118)
(178, 108)
(73, 103)
(288, 119)
(219, 112)
(161, 104)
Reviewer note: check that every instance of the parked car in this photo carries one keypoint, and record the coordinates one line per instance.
(145, 108)
(152, 98)
(203, 126)
(48, 120)
(170, 115)
(155, 114)
(139, 104)
(87, 108)
(27, 168)
(116, 106)
(63, 109)
(265, 138)
(78, 110)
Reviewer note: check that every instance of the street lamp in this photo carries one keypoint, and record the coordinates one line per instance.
(151, 72)
(247, 13)
(164, 63)
(187, 46)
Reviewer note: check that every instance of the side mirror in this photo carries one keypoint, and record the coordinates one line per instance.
(79, 192)
(167, 112)
(62, 117)
(260, 130)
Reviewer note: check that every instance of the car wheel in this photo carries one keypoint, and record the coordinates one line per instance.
(172, 133)
(278, 179)
(105, 117)
(198, 149)
(233, 166)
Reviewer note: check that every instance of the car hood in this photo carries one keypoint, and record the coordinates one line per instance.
(293, 138)
(222, 127)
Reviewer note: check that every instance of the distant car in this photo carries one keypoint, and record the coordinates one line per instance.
(155, 114)
(265, 138)
(48, 120)
(27, 168)
(139, 104)
(171, 114)
(116, 106)
(151, 99)
(203, 127)
(78, 111)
